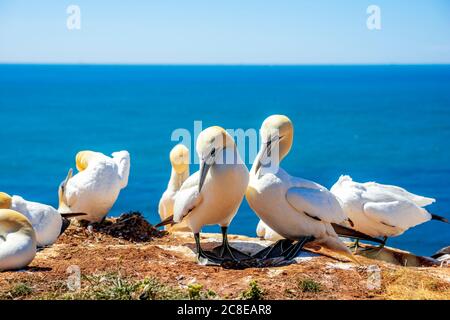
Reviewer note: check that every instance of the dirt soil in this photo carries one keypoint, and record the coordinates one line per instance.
(115, 248)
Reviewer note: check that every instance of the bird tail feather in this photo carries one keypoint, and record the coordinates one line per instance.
(439, 218)
(350, 233)
(336, 245)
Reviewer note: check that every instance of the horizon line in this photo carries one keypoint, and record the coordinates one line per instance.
(222, 64)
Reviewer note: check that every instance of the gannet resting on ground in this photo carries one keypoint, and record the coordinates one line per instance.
(442, 255)
(47, 223)
(17, 240)
(381, 210)
(265, 232)
(95, 188)
(179, 159)
(297, 209)
(213, 194)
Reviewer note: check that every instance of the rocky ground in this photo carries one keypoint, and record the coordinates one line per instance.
(112, 263)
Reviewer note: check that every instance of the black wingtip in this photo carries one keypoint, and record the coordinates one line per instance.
(439, 218)
(168, 220)
(65, 224)
(73, 215)
(350, 233)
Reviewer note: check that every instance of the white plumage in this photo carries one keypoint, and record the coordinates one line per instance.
(179, 159)
(223, 188)
(95, 188)
(267, 233)
(293, 207)
(46, 220)
(17, 240)
(381, 210)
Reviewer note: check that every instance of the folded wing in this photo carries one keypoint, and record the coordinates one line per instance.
(418, 200)
(396, 214)
(187, 198)
(319, 204)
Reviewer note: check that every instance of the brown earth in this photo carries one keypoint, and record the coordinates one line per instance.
(164, 265)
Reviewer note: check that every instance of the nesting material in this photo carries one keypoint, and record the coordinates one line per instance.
(129, 226)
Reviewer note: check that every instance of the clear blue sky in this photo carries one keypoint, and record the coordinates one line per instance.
(225, 32)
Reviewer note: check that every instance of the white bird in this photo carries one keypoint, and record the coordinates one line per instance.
(267, 233)
(213, 194)
(17, 240)
(47, 222)
(381, 210)
(297, 209)
(179, 160)
(95, 188)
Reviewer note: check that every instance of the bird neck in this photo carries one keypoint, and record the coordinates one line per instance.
(177, 179)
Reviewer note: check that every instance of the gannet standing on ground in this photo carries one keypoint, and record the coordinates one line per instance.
(265, 232)
(297, 209)
(95, 188)
(382, 210)
(47, 222)
(17, 240)
(213, 194)
(179, 160)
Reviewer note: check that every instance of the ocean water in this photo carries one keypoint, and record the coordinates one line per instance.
(390, 124)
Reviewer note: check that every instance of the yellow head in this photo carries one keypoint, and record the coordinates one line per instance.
(5, 201)
(278, 129)
(13, 221)
(277, 133)
(213, 139)
(179, 158)
(210, 143)
(82, 159)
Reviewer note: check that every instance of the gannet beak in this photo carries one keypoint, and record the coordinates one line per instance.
(62, 190)
(259, 159)
(205, 165)
(69, 215)
(165, 222)
(65, 217)
(266, 151)
(69, 176)
(204, 168)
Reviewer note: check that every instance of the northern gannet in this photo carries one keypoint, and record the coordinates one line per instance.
(179, 160)
(95, 188)
(213, 194)
(47, 222)
(297, 209)
(263, 231)
(17, 240)
(381, 210)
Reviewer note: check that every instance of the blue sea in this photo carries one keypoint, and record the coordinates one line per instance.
(385, 123)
